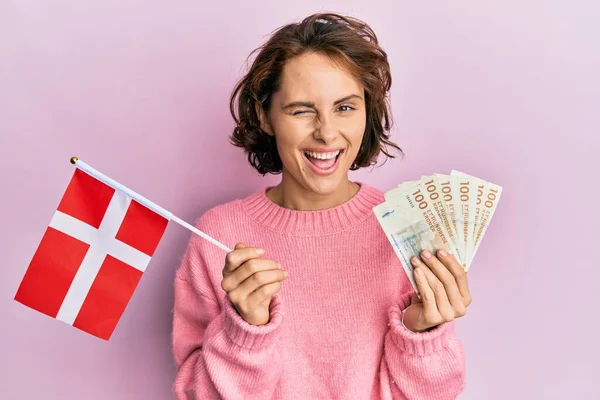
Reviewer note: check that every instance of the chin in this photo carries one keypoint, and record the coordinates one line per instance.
(324, 187)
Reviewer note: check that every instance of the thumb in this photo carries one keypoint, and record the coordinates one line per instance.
(239, 245)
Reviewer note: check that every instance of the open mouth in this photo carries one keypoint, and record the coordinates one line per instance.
(323, 163)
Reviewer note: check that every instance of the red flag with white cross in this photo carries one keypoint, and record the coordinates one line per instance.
(92, 256)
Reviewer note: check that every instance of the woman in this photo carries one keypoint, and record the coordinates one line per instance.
(313, 303)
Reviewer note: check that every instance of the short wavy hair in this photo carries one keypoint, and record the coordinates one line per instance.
(346, 40)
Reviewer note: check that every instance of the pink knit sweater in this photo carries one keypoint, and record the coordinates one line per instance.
(335, 329)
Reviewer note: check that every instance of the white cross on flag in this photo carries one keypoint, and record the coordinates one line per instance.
(91, 257)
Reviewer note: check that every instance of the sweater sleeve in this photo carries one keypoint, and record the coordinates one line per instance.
(428, 365)
(217, 353)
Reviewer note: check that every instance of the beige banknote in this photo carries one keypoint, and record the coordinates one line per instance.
(432, 188)
(467, 198)
(449, 185)
(450, 212)
(399, 190)
(414, 197)
(487, 197)
(487, 207)
(449, 188)
(408, 234)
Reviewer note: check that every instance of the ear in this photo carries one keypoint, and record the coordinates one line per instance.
(265, 125)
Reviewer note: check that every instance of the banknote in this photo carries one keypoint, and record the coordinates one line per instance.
(431, 186)
(479, 186)
(399, 190)
(483, 205)
(414, 197)
(439, 211)
(408, 235)
(467, 199)
(449, 187)
(488, 196)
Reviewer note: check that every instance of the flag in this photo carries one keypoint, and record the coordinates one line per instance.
(91, 256)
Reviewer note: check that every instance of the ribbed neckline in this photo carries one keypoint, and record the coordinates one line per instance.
(312, 223)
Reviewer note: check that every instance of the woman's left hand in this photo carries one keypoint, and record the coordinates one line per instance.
(443, 288)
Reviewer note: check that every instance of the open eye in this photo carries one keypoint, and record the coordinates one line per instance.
(347, 107)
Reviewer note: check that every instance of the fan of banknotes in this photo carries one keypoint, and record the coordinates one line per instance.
(450, 212)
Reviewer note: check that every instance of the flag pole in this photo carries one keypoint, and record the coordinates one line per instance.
(144, 201)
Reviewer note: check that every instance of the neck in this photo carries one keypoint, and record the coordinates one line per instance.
(290, 194)
(266, 213)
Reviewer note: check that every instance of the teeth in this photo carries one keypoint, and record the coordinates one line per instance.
(322, 156)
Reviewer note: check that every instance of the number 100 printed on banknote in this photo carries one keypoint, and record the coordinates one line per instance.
(450, 212)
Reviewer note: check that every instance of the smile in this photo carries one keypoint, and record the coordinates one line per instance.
(322, 163)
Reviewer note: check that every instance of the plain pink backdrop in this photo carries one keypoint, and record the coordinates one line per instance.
(506, 90)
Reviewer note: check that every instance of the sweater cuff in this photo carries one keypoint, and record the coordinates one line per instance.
(419, 343)
(252, 336)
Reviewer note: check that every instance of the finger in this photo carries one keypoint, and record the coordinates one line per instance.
(240, 255)
(446, 277)
(427, 296)
(460, 276)
(263, 293)
(441, 298)
(247, 269)
(258, 279)
(416, 297)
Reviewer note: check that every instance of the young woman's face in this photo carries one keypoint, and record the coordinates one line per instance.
(318, 118)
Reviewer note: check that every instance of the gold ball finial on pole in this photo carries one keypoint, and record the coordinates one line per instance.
(74, 160)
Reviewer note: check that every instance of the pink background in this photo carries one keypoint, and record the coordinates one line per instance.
(506, 90)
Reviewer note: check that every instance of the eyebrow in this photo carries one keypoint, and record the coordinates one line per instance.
(312, 105)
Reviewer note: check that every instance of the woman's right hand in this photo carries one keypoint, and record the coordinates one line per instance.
(250, 282)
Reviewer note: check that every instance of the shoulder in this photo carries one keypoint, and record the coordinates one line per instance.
(369, 197)
(219, 215)
(372, 191)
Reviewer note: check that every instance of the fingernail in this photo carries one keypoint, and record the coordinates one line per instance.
(426, 254)
(442, 253)
(278, 265)
(260, 252)
(285, 273)
(416, 260)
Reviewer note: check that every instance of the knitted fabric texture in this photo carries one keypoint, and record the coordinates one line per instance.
(335, 328)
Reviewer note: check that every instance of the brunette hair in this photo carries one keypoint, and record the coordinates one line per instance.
(346, 40)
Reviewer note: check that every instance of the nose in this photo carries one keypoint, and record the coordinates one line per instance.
(325, 131)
